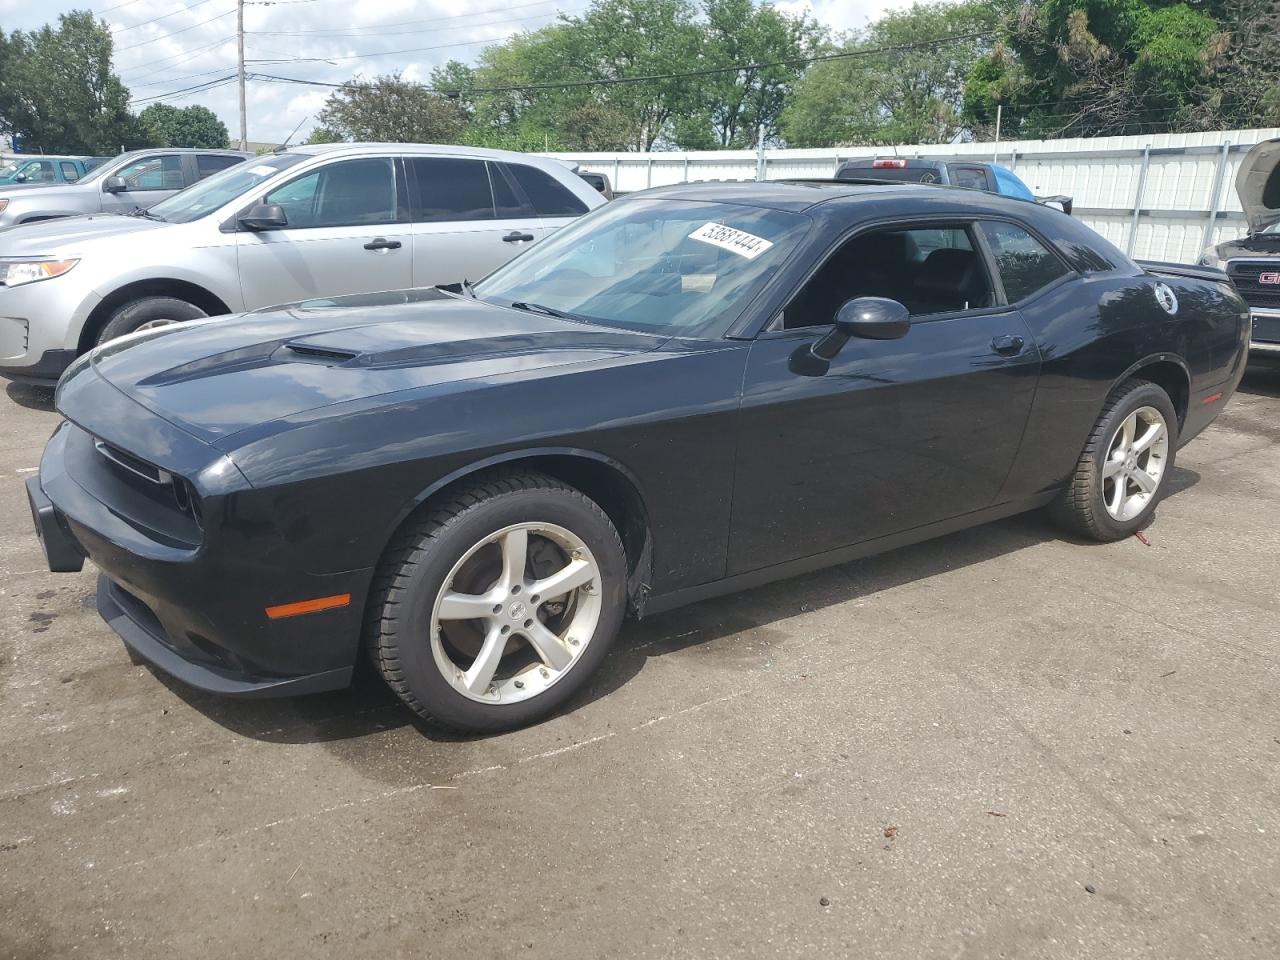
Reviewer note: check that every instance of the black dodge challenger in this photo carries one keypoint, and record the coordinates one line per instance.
(690, 391)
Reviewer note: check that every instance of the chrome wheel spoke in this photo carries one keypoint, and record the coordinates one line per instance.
(1127, 430)
(549, 647)
(464, 606)
(1117, 496)
(1112, 467)
(1144, 480)
(1149, 436)
(480, 674)
(578, 573)
(515, 548)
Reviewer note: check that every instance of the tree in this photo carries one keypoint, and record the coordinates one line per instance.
(911, 95)
(391, 110)
(57, 91)
(1097, 67)
(193, 126)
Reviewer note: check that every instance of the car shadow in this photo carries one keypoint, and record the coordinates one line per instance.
(1262, 377)
(31, 396)
(368, 707)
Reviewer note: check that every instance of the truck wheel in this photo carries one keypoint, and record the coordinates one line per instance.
(1124, 469)
(496, 607)
(146, 313)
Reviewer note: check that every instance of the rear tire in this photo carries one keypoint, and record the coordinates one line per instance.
(1124, 469)
(148, 311)
(494, 608)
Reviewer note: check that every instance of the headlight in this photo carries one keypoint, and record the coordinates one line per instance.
(15, 272)
(3, 204)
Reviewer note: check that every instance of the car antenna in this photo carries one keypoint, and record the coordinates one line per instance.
(280, 148)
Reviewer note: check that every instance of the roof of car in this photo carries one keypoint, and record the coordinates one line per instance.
(794, 195)
(437, 149)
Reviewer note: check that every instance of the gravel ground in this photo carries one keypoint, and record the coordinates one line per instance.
(997, 744)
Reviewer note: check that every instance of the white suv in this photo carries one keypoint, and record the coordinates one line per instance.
(314, 221)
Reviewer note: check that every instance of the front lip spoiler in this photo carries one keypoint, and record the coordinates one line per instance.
(143, 642)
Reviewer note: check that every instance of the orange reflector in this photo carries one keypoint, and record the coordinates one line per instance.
(1212, 398)
(308, 606)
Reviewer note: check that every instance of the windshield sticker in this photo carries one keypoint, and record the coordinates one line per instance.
(262, 171)
(726, 238)
(697, 282)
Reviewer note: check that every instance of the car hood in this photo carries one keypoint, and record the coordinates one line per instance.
(68, 234)
(215, 378)
(1258, 185)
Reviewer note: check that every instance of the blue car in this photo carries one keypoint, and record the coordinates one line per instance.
(975, 175)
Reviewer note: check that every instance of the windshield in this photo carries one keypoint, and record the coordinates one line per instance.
(8, 169)
(677, 267)
(218, 190)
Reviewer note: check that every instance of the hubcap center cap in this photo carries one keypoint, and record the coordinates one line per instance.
(517, 610)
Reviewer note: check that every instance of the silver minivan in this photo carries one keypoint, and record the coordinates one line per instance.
(312, 221)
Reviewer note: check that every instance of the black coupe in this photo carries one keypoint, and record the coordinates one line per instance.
(690, 391)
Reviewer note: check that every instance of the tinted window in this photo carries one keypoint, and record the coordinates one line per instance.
(1025, 264)
(896, 174)
(207, 163)
(974, 178)
(506, 203)
(451, 189)
(549, 197)
(69, 171)
(153, 173)
(345, 194)
(39, 171)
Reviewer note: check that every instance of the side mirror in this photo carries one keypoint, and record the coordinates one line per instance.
(115, 185)
(19, 178)
(264, 216)
(868, 318)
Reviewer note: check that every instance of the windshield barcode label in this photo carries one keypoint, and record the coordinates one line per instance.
(739, 241)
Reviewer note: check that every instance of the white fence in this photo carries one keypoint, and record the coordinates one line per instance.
(1158, 197)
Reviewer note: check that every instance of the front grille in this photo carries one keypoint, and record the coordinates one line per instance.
(148, 471)
(1248, 276)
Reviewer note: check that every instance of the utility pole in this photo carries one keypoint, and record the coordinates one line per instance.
(244, 130)
(995, 151)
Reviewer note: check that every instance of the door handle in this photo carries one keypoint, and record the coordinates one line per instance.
(382, 243)
(1007, 345)
(515, 236)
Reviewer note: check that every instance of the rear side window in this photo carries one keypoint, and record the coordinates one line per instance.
(207, 163)
(549, 197)
(1025, 264)
(69, 171)
(975, 178)
(505, 201)
(451, 189)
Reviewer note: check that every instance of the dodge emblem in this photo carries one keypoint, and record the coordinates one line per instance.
(1167, 299)
(1269, 278)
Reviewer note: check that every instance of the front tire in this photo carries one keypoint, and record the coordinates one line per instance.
(494, 608)
(1124, 469)
(148, 312)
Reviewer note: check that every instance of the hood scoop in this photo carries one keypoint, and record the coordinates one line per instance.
(306, 352)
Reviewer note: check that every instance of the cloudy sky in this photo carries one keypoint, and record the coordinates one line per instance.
(166, 46)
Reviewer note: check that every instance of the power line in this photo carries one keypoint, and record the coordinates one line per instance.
(397, 33)
(134, 26)
(615, 81)
(348, 31)
(165, 36)
(196, 88)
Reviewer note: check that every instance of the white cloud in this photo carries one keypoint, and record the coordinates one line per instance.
(310, 39)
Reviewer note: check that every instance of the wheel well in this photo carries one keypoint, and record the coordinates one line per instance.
(607, 486)
(1173, 380)
(180, 289)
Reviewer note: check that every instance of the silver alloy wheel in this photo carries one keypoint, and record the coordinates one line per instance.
(153, 324)
(551, 619)
(1135, 464)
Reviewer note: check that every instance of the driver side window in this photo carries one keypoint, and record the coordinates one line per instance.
(344, 194)
(930, 270)
(153, 173)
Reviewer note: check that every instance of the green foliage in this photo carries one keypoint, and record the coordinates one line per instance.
(901, 96)
(57, 91)
(193, 126)
(391, 110)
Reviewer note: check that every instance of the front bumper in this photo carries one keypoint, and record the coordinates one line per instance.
(196, 611)
(40, 326)
(1266, 332)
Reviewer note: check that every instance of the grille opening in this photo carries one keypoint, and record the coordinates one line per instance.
(122, 458)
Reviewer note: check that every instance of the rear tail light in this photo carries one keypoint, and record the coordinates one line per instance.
(888, 164)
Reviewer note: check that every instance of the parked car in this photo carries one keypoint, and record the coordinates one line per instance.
(308, 222)
(46, 170)
(476, 486)
(975, 175)
(600, 182)
(121, 185)
(1253, 262)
